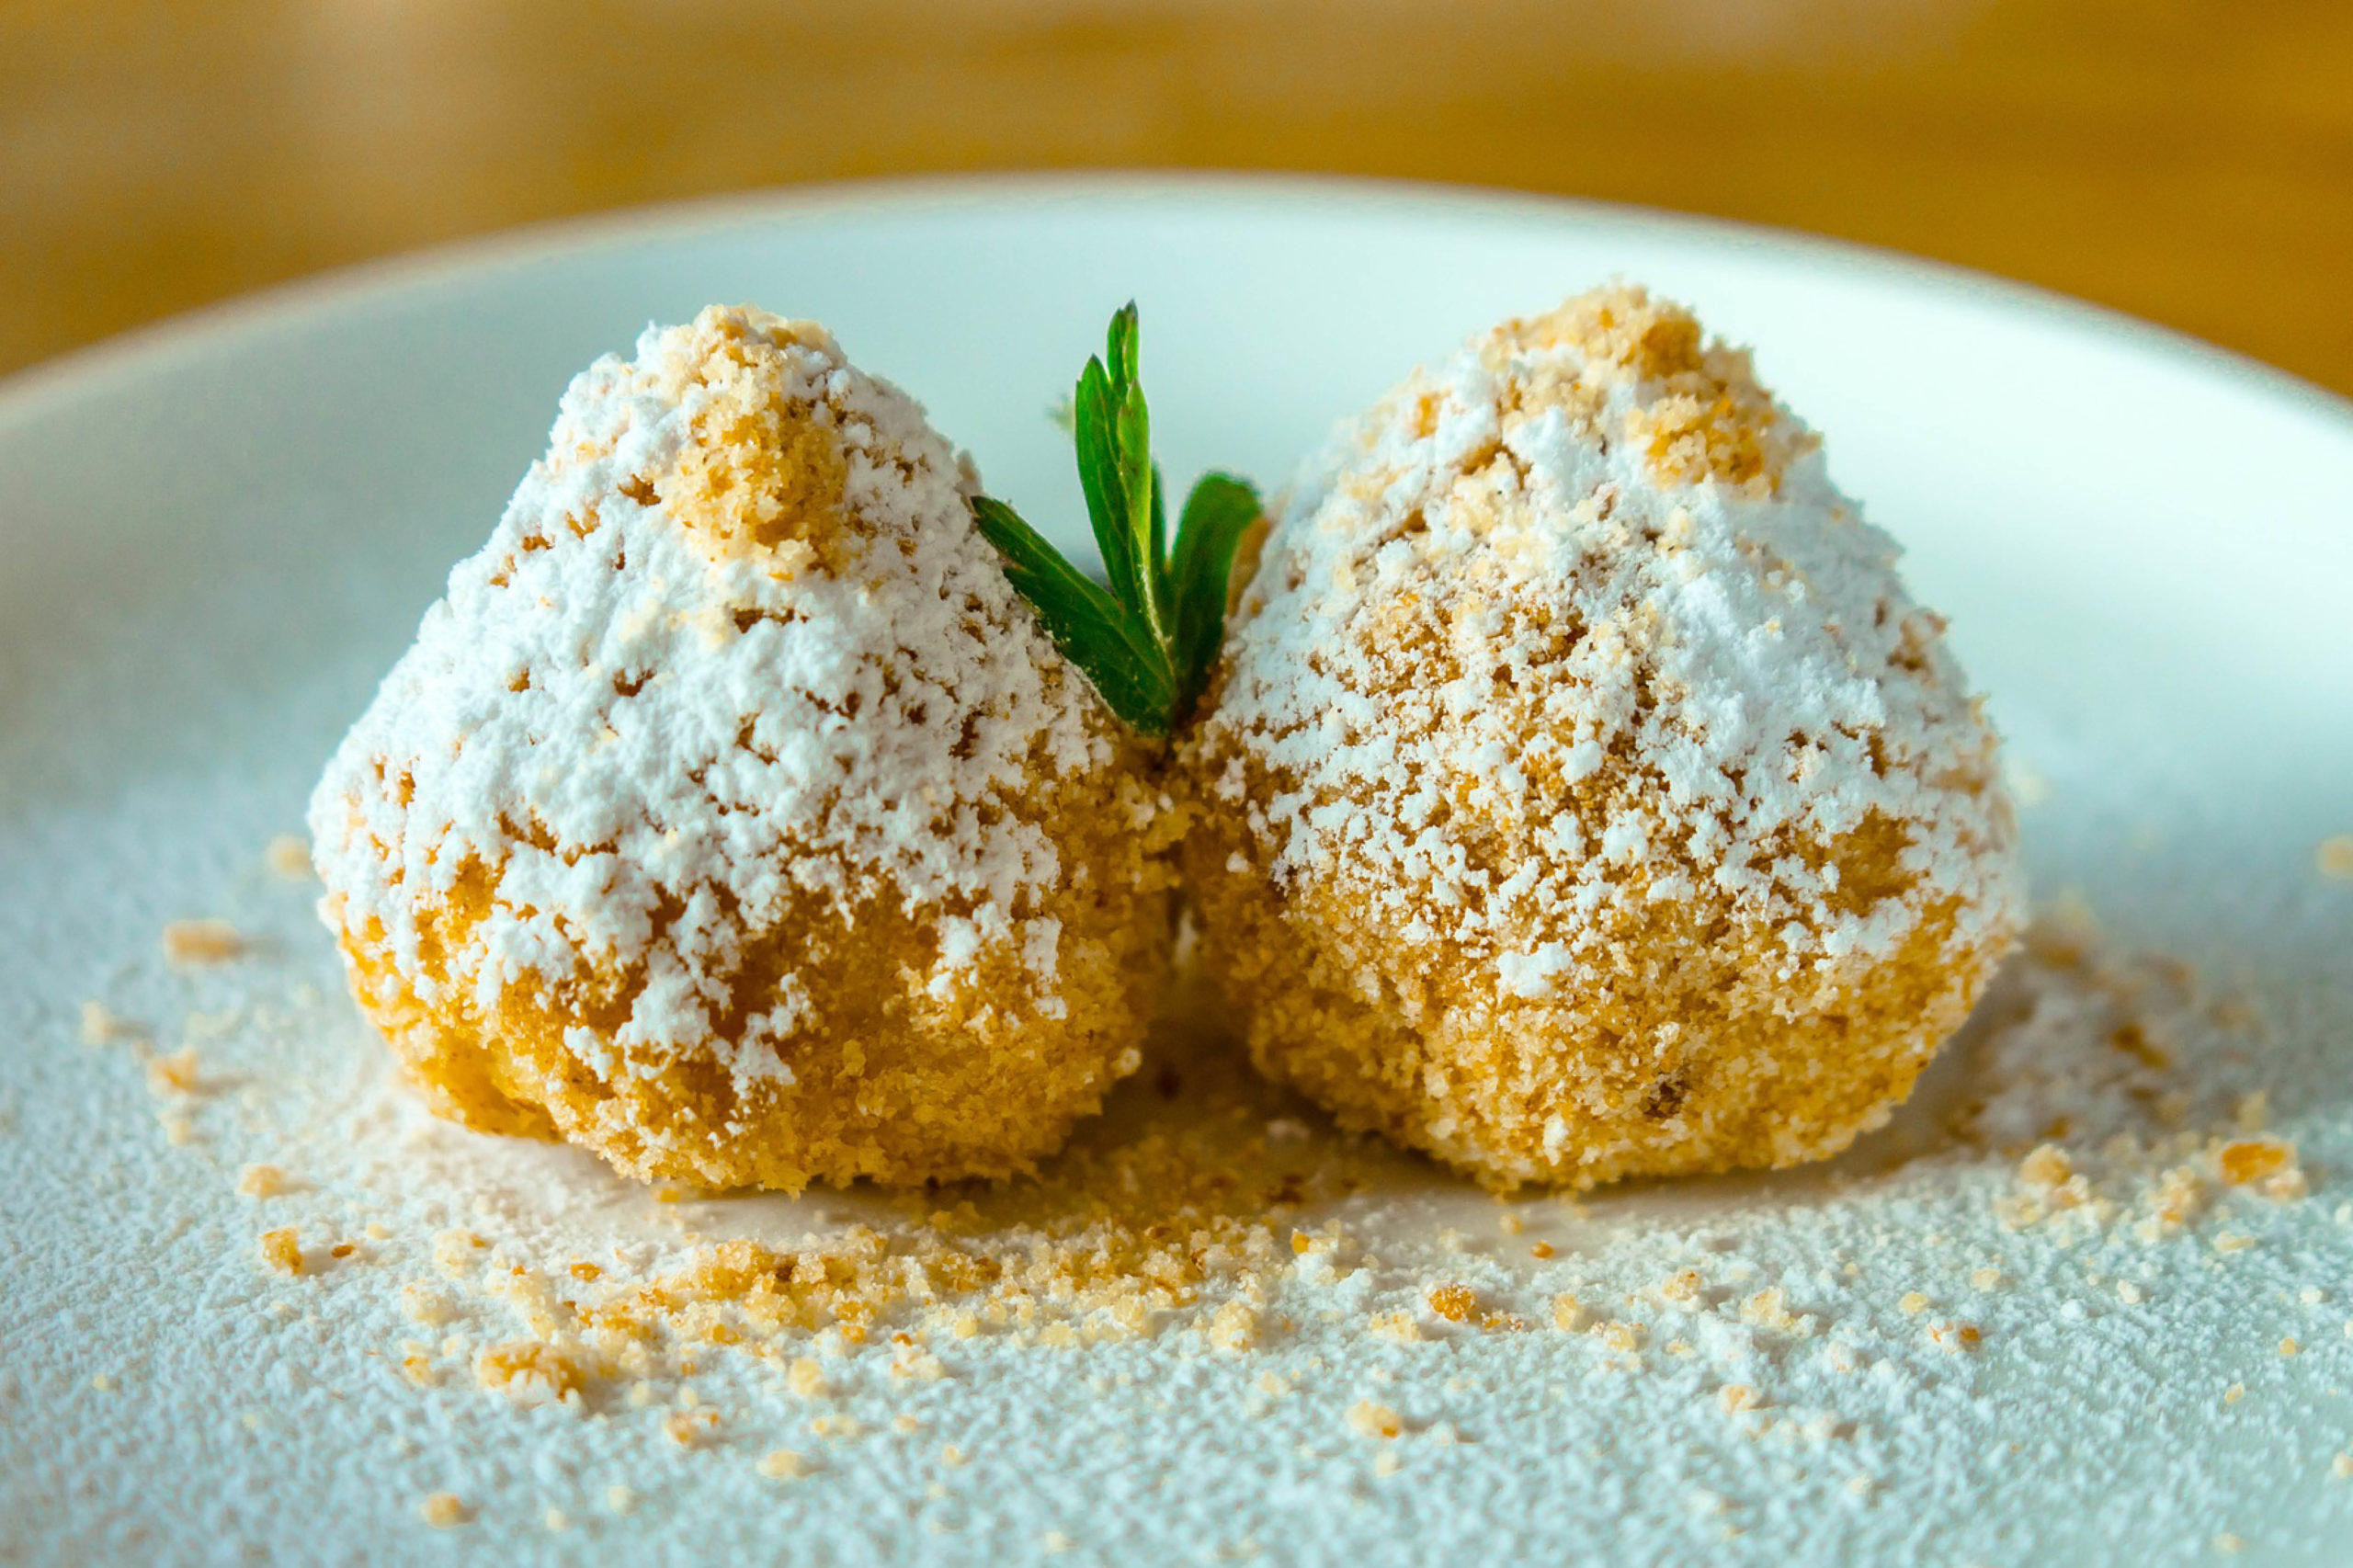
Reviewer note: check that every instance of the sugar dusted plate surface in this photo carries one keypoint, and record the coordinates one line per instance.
(217, 536)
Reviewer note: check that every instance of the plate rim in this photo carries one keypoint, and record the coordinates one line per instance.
(92, 370)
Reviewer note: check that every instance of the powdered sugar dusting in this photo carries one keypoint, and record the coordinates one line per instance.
(1590, 558)
(663, 706)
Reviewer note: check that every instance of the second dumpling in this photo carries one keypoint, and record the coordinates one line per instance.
(1582, 796)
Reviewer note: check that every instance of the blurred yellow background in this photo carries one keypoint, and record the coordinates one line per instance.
(2189, 161)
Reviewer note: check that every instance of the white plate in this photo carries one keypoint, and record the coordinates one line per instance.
(214, 537)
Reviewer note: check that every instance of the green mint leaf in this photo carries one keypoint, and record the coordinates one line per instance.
(1121, 343)
(1164, 584)
(1089, 626)
(1216, 514)
(1132, 449)
(1099, 480)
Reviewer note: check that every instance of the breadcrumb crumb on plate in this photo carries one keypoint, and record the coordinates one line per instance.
(207, 941)
(289, 858)
(442, 1510)
(261, 1181)
(281, 1250)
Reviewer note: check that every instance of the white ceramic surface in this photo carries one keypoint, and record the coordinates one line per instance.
(214, 537)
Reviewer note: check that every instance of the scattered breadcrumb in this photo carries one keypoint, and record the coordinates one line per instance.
(2289, 1348)
(2250, 1160)
(442, 1510)
(688, 1427)
(1736, 1398)
(1234, 1328)
(555, 1521)
(1370, 1419)
(261, 1181)
(290, 856)
(2341, 1467)
(427, 1305)
(1769, 1308)
(1956, 1337)
(913, 1362)
(175, 1074)
(2180, 1194)
(281, 1250)
(102, 1026)
(783, 1464)
(2235, 1393)
(1681, 1288)
(807, 1378)
(2334, 858)
(1913, 1304)
(190, 942)
(529, 1372)
(2047, 1166)
(453, 1251)
(1456, 1304)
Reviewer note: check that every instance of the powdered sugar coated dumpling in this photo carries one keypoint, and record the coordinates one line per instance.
(1583, 796)
(730, 816)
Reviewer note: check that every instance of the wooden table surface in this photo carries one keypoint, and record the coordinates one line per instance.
(2189, 161)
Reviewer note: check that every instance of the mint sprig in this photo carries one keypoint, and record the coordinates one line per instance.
(1148, 636)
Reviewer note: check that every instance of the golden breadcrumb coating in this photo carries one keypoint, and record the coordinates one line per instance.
(731, 818)
(1583, 798)
(901, 1087)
